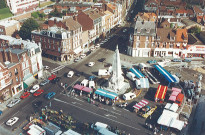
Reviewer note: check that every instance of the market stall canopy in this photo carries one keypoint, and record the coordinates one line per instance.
(178, 124)
(172, 107)
(78, 87)
(106, 93)
(165, 73)
(141, 104)
(161, 92)
(88, 90)
(137, 73)
(144, 82)
(176, 89)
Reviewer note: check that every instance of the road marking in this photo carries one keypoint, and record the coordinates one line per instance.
(57, 68)
(110, 115)
(97, 114)
(116, 109)
(15, 113)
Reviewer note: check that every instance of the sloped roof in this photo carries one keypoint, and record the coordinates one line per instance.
(181, 35)
(93, 13)
(164, 34)
(71, 24)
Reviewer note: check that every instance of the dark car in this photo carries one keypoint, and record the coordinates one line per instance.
(37, 104)
(186, 60)
(101, 60)
(57, 79)
(177, 60)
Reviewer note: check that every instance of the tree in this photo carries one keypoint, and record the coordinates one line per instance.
(55, 13)
(195, 30)
(2, 4)
(28, 26)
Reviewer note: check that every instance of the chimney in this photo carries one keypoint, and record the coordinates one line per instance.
(75, 18)
(22, 46)
(10, 56)
(5, 57)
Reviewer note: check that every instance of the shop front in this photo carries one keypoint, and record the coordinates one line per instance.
(16, 89)
(194, 51)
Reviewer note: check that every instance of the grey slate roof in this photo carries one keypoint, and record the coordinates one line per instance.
(146, 28)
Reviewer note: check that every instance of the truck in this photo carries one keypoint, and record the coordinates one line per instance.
(70, 74)
(99, 125)
(179, 99)
(84, 82)
(131, 76)
(129, 96)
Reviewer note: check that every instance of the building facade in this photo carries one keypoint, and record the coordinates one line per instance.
(8, 27)
(21, 65)
(21, 6)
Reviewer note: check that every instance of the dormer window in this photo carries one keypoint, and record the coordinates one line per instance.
(158, 37)
(172, 38)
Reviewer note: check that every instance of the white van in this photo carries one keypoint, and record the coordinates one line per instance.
(98, 125)
(129, 96)
(131, 76)
(84, 82)
(70, 74)
(138, 84)
(91, 84)
(105, 131)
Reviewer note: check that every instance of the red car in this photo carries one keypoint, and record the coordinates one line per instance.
(25, 95)
(52, 77)
(38, 92)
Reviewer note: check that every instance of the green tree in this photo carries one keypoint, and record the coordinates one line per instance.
(195, 30)
(28, 26)
(55, 13)
(35, 14)
(3, 4)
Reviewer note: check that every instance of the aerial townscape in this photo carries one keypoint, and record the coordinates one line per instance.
(102, 67)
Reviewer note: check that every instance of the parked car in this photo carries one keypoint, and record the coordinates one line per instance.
(90, 64)
(46, 67)
(51, 77)
(12, 121)
(25, 95)
(123, 105)
(97, 45)
(82, 56)
(70, 74)
(92, 48)
(35, 88)
(1, 112)
(99, 125)
(187, 60)
(38, 92)
(13, 102)
(50, 95)
(76, 59)
(124, 30)
(44, 82)
(167, 60)
(37, 104)
(176, 60)
(152, 61)
(57, 79)
(102, 60)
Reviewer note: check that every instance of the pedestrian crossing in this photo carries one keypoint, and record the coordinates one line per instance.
(57, 68)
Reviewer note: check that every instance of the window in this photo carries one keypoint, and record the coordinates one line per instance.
(1, 74)
(138, 37)
(27, 65)
(17, 79)
(59, 49)
(16, 71)
(171, 45)
(164, 45)
(146, 44)
(23, 65)
(147, 38)
(10, 74)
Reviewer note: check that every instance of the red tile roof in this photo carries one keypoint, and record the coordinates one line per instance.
(181, 35)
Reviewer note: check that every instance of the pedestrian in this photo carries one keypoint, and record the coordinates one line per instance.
(150, 126)
(146, 124)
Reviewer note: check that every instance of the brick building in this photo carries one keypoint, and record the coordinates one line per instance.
(20, 65)
(8, 27)
(62, 40)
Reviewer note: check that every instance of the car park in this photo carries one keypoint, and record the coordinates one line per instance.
(176, 60)
(44, 82)
(50, 95)
(57, 79)
(13, 102)
(12, 121)
(38, 92)
(70, 74)
(90, 64)
(35, 88)
(51, 77)
(37, 104)
(82, 56)
(25, 95)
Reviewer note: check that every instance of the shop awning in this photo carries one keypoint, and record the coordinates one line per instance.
(141, 104)
(176, 89)
(78, 50)
(161, 92)
(28, 82)
(165, 73)
(100, 92)
(78, 87)
(88, 90)
(172, 107)
(111, 95)
(137, 73)
(178, 124)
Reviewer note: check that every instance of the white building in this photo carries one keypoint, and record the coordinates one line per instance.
(21, 6)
